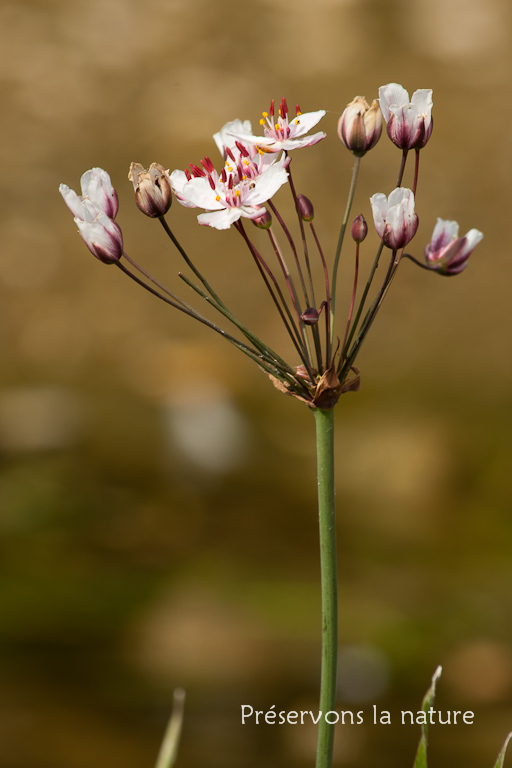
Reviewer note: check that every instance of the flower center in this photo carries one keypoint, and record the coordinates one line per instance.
(281, 129)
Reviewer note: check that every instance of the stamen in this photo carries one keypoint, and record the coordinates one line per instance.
(207, 164)
(243, 150)
(196, 171)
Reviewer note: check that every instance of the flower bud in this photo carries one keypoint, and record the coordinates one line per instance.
(303, 373)
(264, 220)
(359, 228)
(360, 126)
(153, 194)
(310, 316)
(305, 207)
(447, 253)
(394, 217)
(409, 123)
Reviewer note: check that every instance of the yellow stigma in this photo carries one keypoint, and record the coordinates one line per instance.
(265, 114)
(218, 198)
(237, 193)
(262, 121)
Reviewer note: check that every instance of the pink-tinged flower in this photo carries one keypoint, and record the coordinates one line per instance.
(284, 134)
(394, 217)
(360, 126)
(96, 187)
(227, 196)
(409, 124)
(100, 233)
(447, 253)
(153, 194)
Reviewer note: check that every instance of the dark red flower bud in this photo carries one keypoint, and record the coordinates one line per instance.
(310, 316)
(305, 207)
(359, 229)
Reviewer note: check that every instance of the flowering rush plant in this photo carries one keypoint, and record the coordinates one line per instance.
(238, 190)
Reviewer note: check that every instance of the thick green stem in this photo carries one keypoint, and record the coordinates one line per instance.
(327, 520)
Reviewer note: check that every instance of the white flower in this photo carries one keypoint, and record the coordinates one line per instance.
(394, 217)
(409, 123)
(284, 134)
(448, 253)
(96, 187)
(225, 196)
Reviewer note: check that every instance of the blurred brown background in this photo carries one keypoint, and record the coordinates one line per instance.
(157, 495)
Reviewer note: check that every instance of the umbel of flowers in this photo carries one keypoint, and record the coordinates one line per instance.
(239, 190)
(241, 187)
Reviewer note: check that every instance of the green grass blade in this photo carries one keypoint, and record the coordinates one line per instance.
(501, 756)
(169, 749)
(421, 754)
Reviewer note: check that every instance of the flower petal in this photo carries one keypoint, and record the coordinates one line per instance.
(304, 123)
(220, 219)
(226, 137)
(390, 95)
(266, 185)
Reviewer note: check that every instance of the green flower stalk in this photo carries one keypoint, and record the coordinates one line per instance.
(253, 170)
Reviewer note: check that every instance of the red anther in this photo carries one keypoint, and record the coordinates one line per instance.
(271, 110)
(207, 164)
(212, 183)
(196, 171)
(230, 181)
(243, 151)
(230, 154)
(223, 176)
(297, 110)
(284, 107)
(188, 174)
